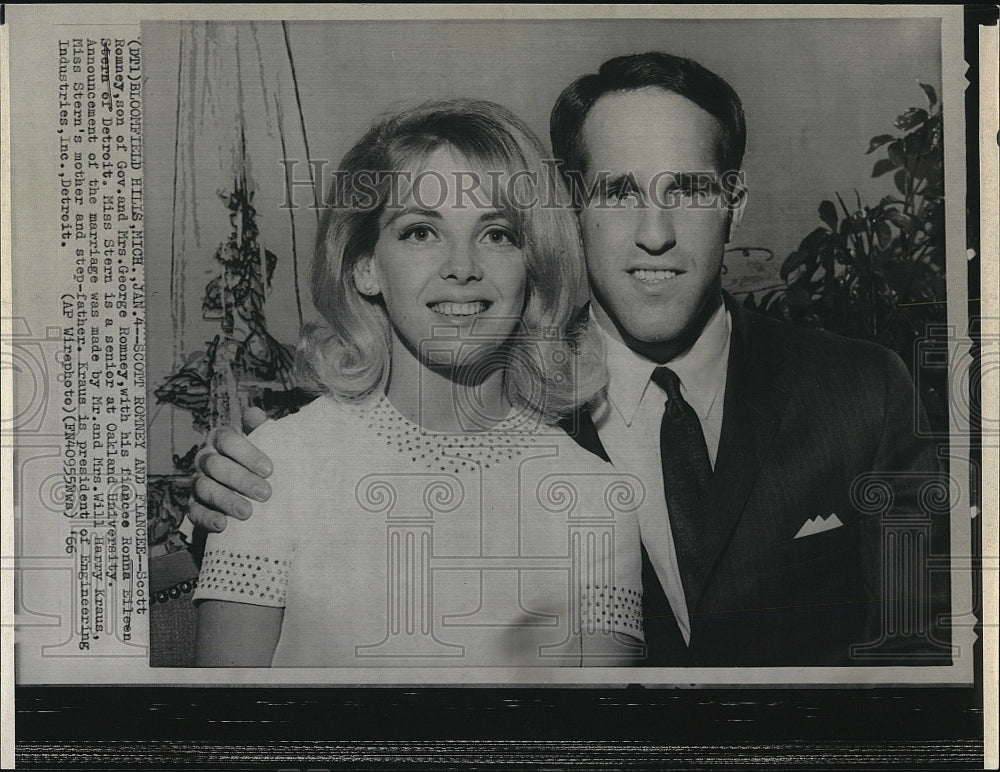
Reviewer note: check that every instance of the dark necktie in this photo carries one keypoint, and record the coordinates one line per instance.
(687, 479)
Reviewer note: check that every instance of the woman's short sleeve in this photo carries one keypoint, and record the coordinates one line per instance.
(250, 560)
(610, 561)
(599, 506)
(612, 608)
(248, 574)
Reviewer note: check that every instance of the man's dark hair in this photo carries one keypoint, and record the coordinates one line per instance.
(654, 69)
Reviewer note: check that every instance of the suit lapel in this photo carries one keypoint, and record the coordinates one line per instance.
(752, 413)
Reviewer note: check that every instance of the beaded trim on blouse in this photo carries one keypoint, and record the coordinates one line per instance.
(242, 576)
(450, 452)
(608, 607)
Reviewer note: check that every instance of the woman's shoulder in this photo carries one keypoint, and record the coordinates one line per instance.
(314, 424)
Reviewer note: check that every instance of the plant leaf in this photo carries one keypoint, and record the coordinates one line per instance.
(902, 221)
(859, 223)
(271, 260)
(930, 92)
(884, 233)
(878, 141)
(824, 261)
(798, 297)
(792, 262)
(810, 243)
(900, 179)
(917, 142)
(896, 153)
(911, 118)
(828, 214)
(882, 166)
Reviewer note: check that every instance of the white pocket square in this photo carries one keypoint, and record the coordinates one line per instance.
(819, 524)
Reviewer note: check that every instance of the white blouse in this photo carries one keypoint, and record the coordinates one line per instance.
(388, 545)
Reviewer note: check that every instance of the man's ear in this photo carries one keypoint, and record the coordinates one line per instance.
(737, 194)
(365, 278)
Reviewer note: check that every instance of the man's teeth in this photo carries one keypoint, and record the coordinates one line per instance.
(459, 309)
(643, 274)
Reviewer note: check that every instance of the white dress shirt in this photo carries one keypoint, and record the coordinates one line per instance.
(628, 423)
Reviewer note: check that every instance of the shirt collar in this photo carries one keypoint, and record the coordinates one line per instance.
(701, 368)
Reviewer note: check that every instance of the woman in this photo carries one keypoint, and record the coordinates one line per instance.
(427, 509)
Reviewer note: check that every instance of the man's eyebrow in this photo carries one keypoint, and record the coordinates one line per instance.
(693, 179)
(620, 180)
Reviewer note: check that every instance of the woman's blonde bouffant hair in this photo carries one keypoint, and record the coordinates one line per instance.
(555, 361)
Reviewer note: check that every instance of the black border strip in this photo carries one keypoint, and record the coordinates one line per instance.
(535, 755)
(296, 728)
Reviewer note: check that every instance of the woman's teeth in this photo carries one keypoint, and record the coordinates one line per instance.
(459, 309)
(652, 277)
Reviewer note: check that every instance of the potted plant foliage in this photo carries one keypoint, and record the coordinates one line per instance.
(878, 272)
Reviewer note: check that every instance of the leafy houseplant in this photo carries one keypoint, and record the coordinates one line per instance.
(242, 365)
(878, 272)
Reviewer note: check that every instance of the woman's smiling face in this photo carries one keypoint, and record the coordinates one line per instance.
(451, 272)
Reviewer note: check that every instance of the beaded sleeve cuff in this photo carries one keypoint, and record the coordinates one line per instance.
(607, 608)
(260, 580)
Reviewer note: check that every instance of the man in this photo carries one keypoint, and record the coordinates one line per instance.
(755, 438)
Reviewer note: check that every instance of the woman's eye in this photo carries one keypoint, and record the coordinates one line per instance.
(500, 237)
(419, 234)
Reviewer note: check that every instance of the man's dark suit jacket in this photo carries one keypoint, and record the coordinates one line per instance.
(814, 425)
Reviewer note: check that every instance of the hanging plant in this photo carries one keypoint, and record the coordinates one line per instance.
(244, 362)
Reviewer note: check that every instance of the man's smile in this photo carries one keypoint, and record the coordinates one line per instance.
(654, 275)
